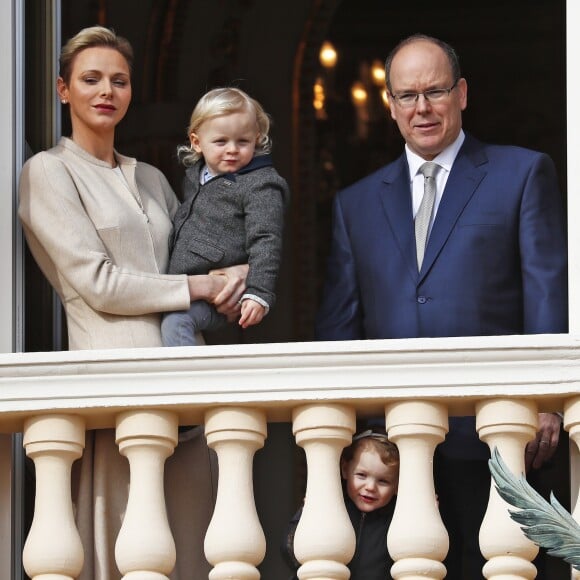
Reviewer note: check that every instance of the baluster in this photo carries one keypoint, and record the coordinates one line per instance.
(145, 549)
(507, 425)
(235, 543)
(572, 425)
(416, 427)
(324, 541)
(53, 548)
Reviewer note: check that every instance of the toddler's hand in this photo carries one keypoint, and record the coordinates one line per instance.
(252, 313)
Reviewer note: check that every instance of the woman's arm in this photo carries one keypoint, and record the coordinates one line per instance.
(71, 252)
(205, 287)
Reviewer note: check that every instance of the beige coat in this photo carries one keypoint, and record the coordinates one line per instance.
(101, 239)
(102, 242)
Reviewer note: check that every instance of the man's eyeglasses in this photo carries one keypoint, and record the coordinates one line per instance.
(408, 100)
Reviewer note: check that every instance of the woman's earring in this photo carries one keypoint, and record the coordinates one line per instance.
(64, 101)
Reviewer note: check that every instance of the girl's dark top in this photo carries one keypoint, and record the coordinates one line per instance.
(371, 560)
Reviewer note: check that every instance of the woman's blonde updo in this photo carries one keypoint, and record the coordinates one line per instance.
(91, 37)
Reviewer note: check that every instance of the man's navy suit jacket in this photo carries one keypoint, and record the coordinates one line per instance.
(495, 262)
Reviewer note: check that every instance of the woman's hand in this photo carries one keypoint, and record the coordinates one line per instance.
(205, 287)
(228, 300)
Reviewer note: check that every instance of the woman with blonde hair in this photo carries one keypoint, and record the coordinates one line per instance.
(98, 223)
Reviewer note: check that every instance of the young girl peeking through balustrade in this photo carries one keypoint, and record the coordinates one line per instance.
(370, 475)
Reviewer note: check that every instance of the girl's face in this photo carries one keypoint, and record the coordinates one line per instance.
(99, 90)
(370, 483)
(228, 142)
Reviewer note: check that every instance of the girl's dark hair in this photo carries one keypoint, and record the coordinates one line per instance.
(376, 440)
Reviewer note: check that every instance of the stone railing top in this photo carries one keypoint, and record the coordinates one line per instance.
(279, 376)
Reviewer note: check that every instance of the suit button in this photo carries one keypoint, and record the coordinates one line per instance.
(421, 299)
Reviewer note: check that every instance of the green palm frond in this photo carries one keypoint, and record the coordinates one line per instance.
(548, 525)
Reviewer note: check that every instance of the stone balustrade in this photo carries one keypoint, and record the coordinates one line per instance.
(321, 388)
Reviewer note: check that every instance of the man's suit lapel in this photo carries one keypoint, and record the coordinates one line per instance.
(395, 196)
(465, 177)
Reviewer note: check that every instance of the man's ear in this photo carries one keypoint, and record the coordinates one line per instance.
(392, 107)
(462, 91)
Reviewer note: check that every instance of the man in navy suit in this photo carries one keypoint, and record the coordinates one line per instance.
(495, 261)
